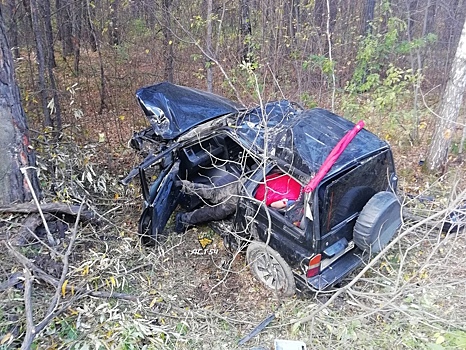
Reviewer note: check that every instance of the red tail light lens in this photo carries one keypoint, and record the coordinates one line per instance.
(314, 266)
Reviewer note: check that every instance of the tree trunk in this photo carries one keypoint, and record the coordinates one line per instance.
(114, 30)
(77, 30)
(93, 38)
(65, 26)
(412, 12)
(245, 32)
(47, 17)
(319, 15)
(168, 40)
(13, 27)
(429, 21)
(39, 39)
(89, 16)
(50, 64)
(324, 15)
(368, 17)
(14, 139)
(209, 62)
(449, 109)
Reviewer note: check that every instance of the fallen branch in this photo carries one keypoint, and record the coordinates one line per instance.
(375, 260)
(44, 276)
(52, 208)
(36, 202)
(30, 329)
(56, 297)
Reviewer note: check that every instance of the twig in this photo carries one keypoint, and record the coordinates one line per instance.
(49, 235)
(370, 265)
(56, 297)
(41, 274)
(30, 329)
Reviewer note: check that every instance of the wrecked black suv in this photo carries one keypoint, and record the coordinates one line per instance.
(348, 205)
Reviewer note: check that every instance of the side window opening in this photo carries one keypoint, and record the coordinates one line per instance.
(283, 195)
(216, 162)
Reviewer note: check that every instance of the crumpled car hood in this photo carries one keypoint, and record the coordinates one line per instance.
(173, 110)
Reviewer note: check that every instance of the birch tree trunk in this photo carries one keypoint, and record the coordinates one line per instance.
(14, 140)
(449, 109)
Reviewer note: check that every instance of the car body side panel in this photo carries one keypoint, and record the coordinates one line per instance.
(164, 198)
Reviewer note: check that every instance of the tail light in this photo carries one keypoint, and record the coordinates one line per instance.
(314, 266)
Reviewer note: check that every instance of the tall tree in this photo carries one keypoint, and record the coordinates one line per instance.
(208, 63)
(46, 16)
(245, 32)
(65, 26)
(168, 39)
(114, 30)
(93, 40)
(14, 139)
(13, 27)
(39, 39)
(449, 109)
(325, 14)
(89, 15)
(77, 29)
(412, 7)
(368, 17)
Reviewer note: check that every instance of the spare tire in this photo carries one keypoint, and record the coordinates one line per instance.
(378, 222)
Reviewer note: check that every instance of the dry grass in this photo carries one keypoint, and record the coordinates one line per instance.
(170, 298)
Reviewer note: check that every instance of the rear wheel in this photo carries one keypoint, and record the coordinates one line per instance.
(271, 269)
(378, 222)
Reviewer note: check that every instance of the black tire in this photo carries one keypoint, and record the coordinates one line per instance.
(378, 222)
(271, 269)
(145, 229)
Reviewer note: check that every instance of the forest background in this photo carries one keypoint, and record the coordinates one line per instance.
(78, 64)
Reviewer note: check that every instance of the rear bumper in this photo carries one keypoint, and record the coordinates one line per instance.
(334, 273)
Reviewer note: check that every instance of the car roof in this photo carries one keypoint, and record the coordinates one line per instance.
(304, 138)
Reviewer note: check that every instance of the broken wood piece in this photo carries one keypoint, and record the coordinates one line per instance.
(52, 208)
